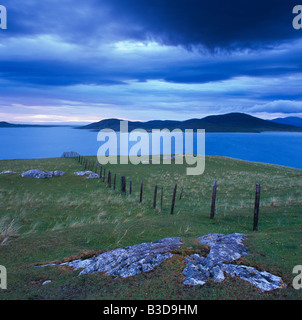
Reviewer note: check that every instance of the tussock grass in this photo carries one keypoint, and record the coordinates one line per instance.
(8, 230)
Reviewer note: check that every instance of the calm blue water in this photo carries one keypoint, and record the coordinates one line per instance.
(275, 148)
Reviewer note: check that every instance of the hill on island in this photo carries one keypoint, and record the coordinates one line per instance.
(231, 122)
(293, 121)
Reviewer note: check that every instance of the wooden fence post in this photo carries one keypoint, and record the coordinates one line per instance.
(154, 198)
(130, 186)
(141, 192)
(161, 199)
(109, 179)
(182, 189)
(213, 199)
(104, 175)
(123, 185)
(114, 181)
(256, 209)
(173, 199)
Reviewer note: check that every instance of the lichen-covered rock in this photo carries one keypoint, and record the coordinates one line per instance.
(224, 249)
(89, 174)
(131, 260)
(263, 280)
(128, 261)
(195, 272)
(58, 173)
(37, 174)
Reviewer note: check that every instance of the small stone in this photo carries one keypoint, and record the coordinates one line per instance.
(7, 171)
(46, 282)
(89, 174)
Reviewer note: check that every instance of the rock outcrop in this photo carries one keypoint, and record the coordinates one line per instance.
(129, 261)
(39, 174)
(132, 260)
(89, 174)
(225, 249)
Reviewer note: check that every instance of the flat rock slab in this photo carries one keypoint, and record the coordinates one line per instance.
(263, 280)
(132, 260)
(128, 261)
(224, 249)
(39, 174)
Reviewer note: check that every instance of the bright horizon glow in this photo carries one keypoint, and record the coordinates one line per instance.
(49, 121)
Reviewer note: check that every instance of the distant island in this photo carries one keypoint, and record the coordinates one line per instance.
(293, 121)
(4, 124)
(231, 122)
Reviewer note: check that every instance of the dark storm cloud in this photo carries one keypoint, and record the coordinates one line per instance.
(73, 21)
(214, 24)
(55, 73)
(119, 67)
(226, 24)
(234, 25)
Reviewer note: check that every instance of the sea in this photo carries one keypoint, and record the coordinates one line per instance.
(280, 148)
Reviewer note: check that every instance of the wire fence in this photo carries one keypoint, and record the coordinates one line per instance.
(275, 206)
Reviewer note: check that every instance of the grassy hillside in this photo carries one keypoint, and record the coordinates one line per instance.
(60, 218)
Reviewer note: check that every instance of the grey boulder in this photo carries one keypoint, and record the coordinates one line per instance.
(88, 174)
(58, 173)
(39, 174)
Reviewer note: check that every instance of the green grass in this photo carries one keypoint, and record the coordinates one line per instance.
(48, 220)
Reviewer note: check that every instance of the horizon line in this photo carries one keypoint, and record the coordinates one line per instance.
(79, 123)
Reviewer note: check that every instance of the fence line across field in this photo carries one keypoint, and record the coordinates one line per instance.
(157, 196)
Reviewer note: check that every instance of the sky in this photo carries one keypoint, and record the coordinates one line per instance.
(67, 61)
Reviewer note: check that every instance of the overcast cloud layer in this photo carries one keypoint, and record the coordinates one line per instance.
(66, 61)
